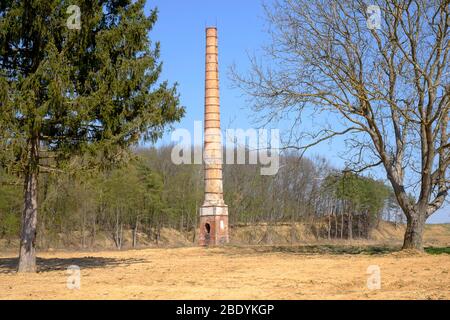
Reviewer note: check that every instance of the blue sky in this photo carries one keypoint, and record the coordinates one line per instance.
(241, 27)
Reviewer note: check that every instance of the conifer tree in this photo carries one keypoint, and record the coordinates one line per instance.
(77, 79)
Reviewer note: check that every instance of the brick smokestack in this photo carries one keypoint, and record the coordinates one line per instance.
(214, 212)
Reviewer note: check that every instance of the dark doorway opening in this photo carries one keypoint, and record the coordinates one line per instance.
(208, 233)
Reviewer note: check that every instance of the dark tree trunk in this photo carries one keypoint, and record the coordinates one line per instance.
(359, 225)
(118, 231)
(27, 254)
(335, 224)
(135, 231)
(414, 231)
(350, 226)
(94, 231)
(83, 229)
(329, 226)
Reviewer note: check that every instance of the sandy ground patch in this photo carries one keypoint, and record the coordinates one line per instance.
(228, 273)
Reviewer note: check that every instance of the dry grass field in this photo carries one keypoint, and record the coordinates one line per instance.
(251, 272)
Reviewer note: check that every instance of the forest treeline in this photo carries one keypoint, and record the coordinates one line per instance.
(150, 193)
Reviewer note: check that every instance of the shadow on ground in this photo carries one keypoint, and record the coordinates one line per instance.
(8, 265)
(329, 249)
(321, 249)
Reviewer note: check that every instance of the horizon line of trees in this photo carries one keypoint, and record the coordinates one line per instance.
(151, 193)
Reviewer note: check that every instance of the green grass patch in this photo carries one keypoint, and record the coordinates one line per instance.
(328, 249)
(435, 250)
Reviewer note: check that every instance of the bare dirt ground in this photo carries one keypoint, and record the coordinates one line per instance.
(260, 272)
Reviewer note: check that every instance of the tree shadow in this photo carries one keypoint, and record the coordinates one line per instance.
(9, 265)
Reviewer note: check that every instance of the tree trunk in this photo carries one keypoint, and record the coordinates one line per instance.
(121, 236)
(350, 225)
(27, 254)
(158, 234)
(116, 230)
(335, 224)
(135, 231)
(94, 231)
(329, 225)
(414, 231)
(359, 225)
(83, 228)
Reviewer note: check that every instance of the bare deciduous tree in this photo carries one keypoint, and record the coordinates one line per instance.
(387, 89)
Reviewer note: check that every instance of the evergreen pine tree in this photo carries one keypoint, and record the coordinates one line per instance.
(69, 92)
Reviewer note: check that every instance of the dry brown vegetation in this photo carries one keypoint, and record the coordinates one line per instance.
(386, 234)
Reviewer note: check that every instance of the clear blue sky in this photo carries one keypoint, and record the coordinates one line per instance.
(181, 30)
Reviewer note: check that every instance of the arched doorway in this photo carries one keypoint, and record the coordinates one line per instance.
(207, 233)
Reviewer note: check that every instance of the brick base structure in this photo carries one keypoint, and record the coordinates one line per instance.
(213, 226)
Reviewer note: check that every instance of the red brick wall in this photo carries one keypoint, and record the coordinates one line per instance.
(217, 235)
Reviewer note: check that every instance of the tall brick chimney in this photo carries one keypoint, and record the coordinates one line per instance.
(214, 212)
